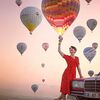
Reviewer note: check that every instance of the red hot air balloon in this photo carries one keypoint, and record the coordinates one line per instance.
(60, 13)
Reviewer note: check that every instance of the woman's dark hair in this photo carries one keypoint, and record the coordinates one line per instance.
(73, 48)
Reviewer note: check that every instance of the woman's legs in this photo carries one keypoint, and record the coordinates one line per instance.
(61, 97)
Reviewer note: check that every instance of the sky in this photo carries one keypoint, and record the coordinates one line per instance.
(18, 73)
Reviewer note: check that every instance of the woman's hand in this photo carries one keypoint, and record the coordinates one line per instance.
(81, 76)
(60, 38)
(59, 45)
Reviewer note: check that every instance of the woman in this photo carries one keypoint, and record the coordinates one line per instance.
(70, 72)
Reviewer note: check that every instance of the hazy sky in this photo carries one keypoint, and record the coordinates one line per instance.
(18, 73)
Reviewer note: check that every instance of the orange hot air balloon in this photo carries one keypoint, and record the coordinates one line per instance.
(60, 13)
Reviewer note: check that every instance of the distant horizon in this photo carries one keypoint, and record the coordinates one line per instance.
(20, 97)
(22, 91)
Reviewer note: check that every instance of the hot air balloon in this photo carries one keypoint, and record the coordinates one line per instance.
(89, 53)
(98, 74)
(43, 64)
(95, 45)
(31, 17)
(43, 80)
(79, 32)
(45, 46)
(34, 87)
(21, 47)
(18, 2)
(60, 13)
(88, 1)
(90, 73)
(91, 23)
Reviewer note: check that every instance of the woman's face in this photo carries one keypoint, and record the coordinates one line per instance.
(72, 51)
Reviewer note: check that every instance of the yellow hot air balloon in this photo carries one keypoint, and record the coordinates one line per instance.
(60, 13)
(31, 17)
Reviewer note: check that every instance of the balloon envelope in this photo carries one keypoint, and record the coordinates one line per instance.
(90, 73)
(21, 47)
(45, 46)
(34, 87)
(18, 2)
(43, 80)
(79, 32)
(88, 1)
(92, 23)
(31, 17)
(89, 53)
(95, 45)
(60, 13)
(43, 64)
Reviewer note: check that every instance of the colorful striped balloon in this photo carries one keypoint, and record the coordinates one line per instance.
(60, 13)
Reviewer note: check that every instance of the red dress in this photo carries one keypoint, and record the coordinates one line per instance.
(69, 73)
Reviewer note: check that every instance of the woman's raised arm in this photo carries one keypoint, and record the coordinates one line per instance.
(59, 46)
